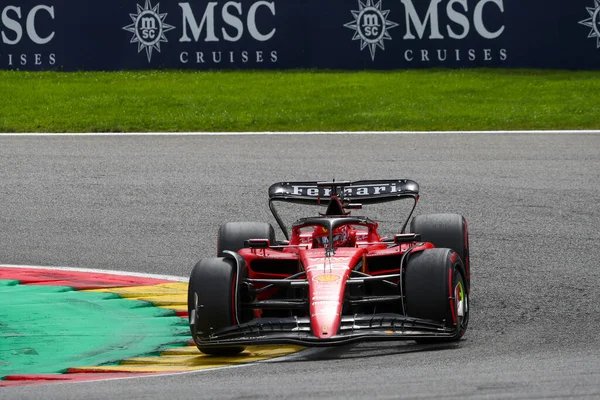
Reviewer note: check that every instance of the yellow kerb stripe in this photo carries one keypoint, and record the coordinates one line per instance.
(189, 358)
(165, 295)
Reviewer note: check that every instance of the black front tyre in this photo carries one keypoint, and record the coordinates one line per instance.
(213, 283)
(435, 289)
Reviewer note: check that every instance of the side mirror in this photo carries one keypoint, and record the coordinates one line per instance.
(257, 243)
(407, 238)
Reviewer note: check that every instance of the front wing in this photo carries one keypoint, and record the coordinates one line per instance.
(296, 330)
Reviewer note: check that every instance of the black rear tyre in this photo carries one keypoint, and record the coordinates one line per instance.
(435, 289)
(445, 231)
(213, 282)
(233, 234)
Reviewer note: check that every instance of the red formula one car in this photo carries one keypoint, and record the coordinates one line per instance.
(334, 280)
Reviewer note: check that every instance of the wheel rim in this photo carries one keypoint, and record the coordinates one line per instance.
(462, 307)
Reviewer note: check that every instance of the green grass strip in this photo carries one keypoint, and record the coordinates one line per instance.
(47, 329)
(476, 99)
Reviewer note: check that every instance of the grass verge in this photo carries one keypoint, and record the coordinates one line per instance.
(144, 101)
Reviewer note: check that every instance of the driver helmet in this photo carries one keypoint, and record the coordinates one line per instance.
(342, 237)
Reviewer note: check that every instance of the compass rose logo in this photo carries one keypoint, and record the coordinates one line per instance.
(593, 22)
(148, 28)
(371, 26)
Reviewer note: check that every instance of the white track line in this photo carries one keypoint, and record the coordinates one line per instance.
(519, 132)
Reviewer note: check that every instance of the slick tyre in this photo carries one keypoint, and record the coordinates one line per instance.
(435, 289)
(445, 231)
(233, 234)
(212, 282)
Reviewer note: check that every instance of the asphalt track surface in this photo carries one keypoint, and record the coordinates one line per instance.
(153, 204)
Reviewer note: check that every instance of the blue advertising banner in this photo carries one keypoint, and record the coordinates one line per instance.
(281, 34)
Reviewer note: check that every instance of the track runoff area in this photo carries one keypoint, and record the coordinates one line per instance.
(69, 325)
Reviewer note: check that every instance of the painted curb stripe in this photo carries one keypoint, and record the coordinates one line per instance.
(38, 379)
(76, 280)
(171, 295)
(157, 291)
(172, 361)
(168, 278)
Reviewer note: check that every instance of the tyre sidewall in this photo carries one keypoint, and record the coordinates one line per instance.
(213, 281)
(430, 280)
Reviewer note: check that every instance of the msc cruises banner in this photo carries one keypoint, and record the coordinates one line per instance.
(279, 34)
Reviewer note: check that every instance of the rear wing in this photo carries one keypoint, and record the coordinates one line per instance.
(363, 192)
(350, 194)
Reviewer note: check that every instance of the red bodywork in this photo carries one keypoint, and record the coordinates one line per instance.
(327, 275)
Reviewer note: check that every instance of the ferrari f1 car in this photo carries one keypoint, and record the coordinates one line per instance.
(333, 280)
